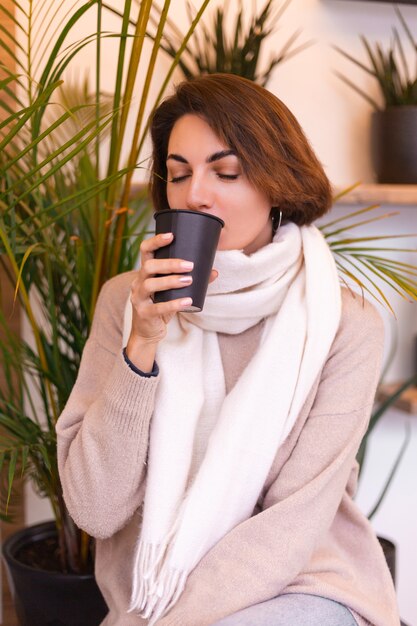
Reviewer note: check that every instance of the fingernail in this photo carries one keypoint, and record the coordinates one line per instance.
(186, 302)
(185, 279)
(187, 265)
(166, 235)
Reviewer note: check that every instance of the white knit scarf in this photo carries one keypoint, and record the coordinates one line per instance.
(291, 282)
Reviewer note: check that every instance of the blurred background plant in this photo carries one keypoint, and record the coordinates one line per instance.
(380, 410)
(397, 82)
(363, 262)
(69, 219)
(211, 49)
(367, 265)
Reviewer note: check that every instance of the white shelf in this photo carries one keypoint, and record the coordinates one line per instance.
(367, 194)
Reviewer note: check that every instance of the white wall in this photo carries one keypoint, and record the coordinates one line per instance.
(336, 120)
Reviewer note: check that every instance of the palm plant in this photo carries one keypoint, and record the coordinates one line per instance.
(396, 81)
(377, 414)
(211, 50)
(68, 221)
(364, 265)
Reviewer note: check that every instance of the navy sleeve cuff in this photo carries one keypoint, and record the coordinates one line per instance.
(155, 369)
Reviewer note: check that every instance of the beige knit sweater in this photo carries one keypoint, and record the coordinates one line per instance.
(306, 536)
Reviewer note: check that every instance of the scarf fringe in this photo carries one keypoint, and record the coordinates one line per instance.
(153, 593)
(147, 558)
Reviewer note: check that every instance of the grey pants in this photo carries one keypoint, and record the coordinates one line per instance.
(294, 609)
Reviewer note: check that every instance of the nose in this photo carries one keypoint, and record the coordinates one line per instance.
(199, 194)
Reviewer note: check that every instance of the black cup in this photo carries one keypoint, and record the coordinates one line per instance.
(196, 236)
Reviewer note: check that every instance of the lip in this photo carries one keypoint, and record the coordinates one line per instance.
(214, 214)
(208, 213)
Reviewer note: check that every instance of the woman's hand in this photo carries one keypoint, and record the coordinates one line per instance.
(149, 319)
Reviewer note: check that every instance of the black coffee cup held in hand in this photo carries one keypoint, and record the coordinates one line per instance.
(196, 236)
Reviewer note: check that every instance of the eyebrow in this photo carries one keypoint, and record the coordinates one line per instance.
(213, 157)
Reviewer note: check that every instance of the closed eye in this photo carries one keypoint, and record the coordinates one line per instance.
(228, 176)
(178, 179)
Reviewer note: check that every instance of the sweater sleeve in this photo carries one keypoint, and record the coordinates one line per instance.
(103, 431)
(257, 559)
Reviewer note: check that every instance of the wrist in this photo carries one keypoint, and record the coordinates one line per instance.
(141, 353)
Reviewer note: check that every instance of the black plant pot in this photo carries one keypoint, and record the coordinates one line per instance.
(44, 598)
(394, 145)
(389, 551)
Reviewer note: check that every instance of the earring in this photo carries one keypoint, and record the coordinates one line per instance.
(276, 215)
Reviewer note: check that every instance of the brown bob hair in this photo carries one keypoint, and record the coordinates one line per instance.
(274, 153)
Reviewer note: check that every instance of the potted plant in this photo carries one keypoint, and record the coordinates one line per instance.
(211, 50)
(68, 222)
(394, 122)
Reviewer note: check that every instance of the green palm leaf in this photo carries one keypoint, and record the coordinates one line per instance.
(58, 229)
(365, 264)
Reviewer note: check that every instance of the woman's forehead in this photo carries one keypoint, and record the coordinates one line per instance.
(193, 133)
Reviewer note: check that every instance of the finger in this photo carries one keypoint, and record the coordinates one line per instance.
(161, 283)
(167, 266)
(162, 309)
(214, 274)
(148, 246)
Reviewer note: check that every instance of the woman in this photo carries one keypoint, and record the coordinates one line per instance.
(212, 454)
